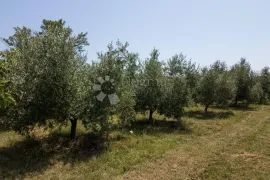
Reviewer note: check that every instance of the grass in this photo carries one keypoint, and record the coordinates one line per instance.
(223, 144)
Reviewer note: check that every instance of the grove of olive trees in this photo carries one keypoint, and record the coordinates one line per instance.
(46, 81)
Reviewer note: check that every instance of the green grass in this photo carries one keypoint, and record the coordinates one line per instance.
(227, 133)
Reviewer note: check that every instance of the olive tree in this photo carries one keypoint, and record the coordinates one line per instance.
(174, 97)
(265, 83)
(47, 75)
(148, 89)
(215, 86)
(178, 87)
(6, 98)
(112, 95)
(256, 93)
(242, 73)
(179, 66)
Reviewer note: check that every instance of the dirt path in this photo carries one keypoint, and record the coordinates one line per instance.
(239, 151)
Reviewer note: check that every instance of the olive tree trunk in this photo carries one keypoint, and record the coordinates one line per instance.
(73, 128)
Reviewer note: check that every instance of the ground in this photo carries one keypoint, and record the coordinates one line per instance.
(224, 144)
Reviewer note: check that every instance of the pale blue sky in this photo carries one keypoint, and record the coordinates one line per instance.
(203, 30)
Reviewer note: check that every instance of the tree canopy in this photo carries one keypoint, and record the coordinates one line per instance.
(47, 80)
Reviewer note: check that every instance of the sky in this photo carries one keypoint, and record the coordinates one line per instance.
(205, 31)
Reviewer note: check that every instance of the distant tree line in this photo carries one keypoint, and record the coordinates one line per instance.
(45, 80)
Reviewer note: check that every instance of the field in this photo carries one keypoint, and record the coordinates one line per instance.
(223, 144)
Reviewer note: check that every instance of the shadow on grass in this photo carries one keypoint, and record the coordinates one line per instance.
(30, 155)
(3, 129)
(3, 126)
(142, 126)
(239, 107)
(208, 116)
